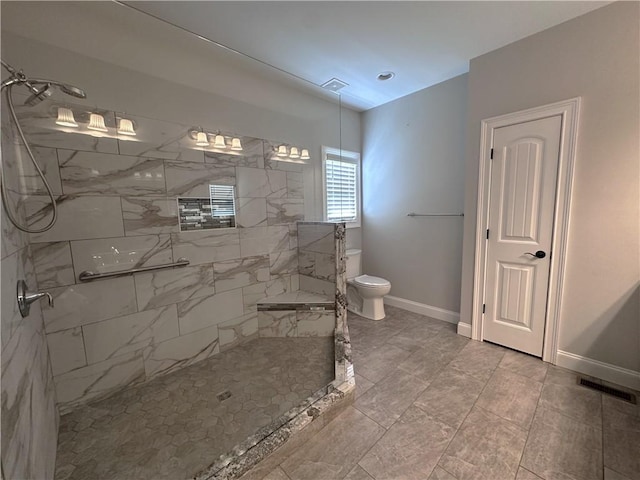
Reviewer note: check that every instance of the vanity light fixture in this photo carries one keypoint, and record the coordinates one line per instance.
(219, 142)
(126, 127)
(294, 153)
(65, 118)
(235, 144)
(304, 155)
(201, 139)
(282, 151)
(96, 122)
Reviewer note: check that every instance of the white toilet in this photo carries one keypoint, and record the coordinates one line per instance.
(364, 292)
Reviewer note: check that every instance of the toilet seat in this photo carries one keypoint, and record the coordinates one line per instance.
(369, 281)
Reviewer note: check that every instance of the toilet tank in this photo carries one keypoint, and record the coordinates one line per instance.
(354, 265)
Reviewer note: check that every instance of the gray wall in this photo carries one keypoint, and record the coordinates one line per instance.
(413, 161)
(595, 56)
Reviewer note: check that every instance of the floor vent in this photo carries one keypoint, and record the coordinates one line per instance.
(627, 397)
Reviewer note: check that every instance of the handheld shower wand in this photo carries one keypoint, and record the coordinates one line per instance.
(40, 90)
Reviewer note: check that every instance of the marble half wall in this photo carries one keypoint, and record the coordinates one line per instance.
(317, 257)
(117, 211)
(322, 271)
(29, 414)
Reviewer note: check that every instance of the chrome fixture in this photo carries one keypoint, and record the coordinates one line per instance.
(88, 276)
(40, 90)
(26, 298)
(435, 214)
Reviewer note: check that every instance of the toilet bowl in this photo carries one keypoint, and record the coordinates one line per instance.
(364, 292)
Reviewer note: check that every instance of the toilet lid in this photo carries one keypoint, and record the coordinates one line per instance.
(370, 281)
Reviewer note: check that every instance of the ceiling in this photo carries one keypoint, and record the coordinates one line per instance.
(423, 43)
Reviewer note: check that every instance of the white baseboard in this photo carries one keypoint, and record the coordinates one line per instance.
(605, 371)
(423, 309)
(464, 329)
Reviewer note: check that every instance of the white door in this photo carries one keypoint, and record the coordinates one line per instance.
(521, 208)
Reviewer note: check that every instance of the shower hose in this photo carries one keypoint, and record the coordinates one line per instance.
(3, 187)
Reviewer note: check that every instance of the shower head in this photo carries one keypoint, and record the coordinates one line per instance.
(72, 90)
(39, 94)
(40, 88)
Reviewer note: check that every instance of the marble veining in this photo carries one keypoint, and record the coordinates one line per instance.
(105, 174)
(190, 179)
(299, 296)
(231, 274)
(149, 215)
(164, 287)
(53, 264)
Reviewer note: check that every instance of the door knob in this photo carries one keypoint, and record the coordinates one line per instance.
(538, 254)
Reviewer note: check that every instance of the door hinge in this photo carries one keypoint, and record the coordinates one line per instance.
(491, 154)
(487, 234)
(484, 307)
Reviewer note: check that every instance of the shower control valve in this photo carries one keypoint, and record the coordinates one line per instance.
(26, 298)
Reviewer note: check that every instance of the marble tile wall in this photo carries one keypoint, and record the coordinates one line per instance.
(317, 257)
(117, 211)
(29, 414)
(292, 323)
(321, 268)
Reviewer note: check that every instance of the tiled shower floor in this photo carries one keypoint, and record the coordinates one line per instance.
(177, 424)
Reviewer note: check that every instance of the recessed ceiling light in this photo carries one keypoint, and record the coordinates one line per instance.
(386, 76)
(334, 84)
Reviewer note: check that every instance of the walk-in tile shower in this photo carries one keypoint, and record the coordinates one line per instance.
(175, 349)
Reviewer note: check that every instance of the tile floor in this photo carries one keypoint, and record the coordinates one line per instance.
(176, 425)
(433, 405)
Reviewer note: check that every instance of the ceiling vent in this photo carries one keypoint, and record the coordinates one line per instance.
(334, 85)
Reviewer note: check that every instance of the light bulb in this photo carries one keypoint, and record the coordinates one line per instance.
(305, 154)
(219, 142)
(235, 144)
(126, 127)
(294, 153)
(282, 151)
(65, 118)
(202, 140)
(96, 122)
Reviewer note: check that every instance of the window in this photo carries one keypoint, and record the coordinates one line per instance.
(222, 201)
(341, 186)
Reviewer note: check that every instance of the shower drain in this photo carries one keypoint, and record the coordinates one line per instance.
(627, 397)
(223, 395)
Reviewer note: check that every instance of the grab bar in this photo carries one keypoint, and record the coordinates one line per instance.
(435, 214)
(88, 276)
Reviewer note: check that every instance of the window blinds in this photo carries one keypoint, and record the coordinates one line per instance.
(341, 183)
(222, 200)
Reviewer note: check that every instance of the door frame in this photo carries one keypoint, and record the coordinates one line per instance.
(569, 111)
